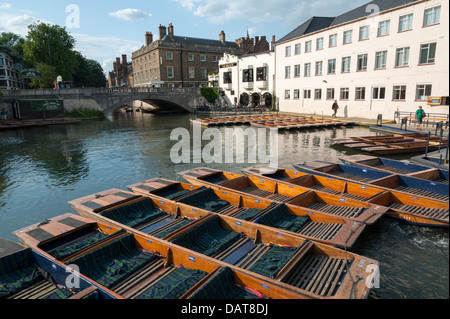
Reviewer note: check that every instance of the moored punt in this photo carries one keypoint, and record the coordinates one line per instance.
(134, 212)
(386, 180)
(29, 274)
(411, 208)
(297, 195)
(393, 138)
(399, 167)
(403, 148)
(298, 220)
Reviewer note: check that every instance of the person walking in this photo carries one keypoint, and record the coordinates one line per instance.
(335, 107)
(420, 114)
(4, 114)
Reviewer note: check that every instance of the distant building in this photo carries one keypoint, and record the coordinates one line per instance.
(122, 74)
(248, 79)
(371, 64)
(174, 61)
(10, 66)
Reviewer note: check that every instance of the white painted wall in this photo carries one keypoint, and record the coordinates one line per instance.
(436, 74)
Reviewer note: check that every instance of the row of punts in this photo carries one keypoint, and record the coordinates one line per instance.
(269, 233)
(282, 122)
(395, 143)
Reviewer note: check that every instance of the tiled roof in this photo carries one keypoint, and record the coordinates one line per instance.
(319, 23)
(189, 40)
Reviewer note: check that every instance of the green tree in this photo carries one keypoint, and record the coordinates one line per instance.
(89, 73)
(50, 47)
(210, 94)
(13, 41)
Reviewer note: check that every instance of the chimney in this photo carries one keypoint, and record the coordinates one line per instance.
(117, 64)
(148, 38)
(162, 31)
(273, 39)
(222, 36)
(256, 40)
(171, 31)
(124, 60)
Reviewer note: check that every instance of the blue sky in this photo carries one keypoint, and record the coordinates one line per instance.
(108, 29)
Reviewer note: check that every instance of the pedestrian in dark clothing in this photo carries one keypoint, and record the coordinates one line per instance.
(335, 107)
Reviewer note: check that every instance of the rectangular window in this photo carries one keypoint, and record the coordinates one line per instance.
(287, 94)
(308, 46)
(348, 36)
(423, 92)
(364, 32)
(383, 27)
(330, 94)
(380, 60)
(170, 72)
(379, 93)
(288, 51)
(399, 92)
(432, 16)
(402, 57)
(297, 70)
(319, 44)
(427, 53)
(296, 94)
(227, 77)
(203, 57)
(360, 93)
(345, 93)
(319, 67)
(261, 74)
(169, 56)
(362, 62)
(204, 73)
(287, 72)
(346, 64)
(191, 73)
(191, 57)
(247, 75)
(405, 22)
(332, 40)
(298, 48)
(317, 94)
(331, 66)
(306, 94)
(307, 69)
(214, 58)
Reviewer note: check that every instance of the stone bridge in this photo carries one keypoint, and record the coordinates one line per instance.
(109, 99)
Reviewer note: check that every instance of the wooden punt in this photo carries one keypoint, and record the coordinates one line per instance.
(392, 138)
(29, 274)
(410, 208)
(298, 195)
(138, 267)
(145, 215)
(313, 224)
(416, 146)
(402, 183)
(399, 167)
(313, 270)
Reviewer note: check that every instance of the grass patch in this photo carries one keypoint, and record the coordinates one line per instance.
(84, 113)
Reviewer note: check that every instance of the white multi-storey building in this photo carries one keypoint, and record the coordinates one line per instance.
(379, 58)
(248, 79)
(10, 66)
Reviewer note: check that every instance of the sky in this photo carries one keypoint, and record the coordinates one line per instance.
(104, 30)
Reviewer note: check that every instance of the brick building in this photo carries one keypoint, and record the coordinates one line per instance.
(178, 60)
(122, 73)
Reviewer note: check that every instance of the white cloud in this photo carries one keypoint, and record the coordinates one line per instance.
(290, 13)
(130, 14)
(16, 23)
(5, 5)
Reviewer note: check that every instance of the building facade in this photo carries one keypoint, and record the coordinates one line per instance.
(178, 61)
(122, 74)
(10, 66)
(371, 63)
(248, 79)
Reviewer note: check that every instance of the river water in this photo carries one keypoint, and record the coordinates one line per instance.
(41, 169)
